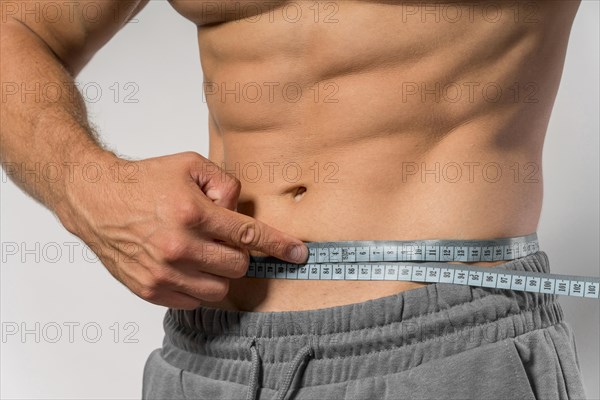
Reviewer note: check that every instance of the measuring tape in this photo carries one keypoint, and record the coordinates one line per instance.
(426, 261)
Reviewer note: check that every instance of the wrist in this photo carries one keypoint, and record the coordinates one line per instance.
(85, 175)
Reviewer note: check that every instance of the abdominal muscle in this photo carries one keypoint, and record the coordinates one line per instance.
(373, 190)
(358, 155)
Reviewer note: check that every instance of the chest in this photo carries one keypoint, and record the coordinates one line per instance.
(206, 12)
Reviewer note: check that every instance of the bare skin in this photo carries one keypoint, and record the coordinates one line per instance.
(412, 123)
(378, 122)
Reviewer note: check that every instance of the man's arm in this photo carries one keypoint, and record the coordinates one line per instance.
(170, 232)
(43, 116)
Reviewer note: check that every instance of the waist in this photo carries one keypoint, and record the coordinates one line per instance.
(425, 212)
(319, 284)
(441, 319)
(372, 197)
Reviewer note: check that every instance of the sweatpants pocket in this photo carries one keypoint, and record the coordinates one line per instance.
(549, 358)
(490, 372)
(161, 380)
(196, 387)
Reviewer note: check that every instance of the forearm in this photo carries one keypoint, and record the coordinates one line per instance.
(45, 136)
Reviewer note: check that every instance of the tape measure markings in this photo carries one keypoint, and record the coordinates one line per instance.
(490, 277)
(427, 262)
(422, 250)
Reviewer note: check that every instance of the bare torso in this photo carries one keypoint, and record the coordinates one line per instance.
(374, 120)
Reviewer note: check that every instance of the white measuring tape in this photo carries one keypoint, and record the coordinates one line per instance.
(426, 261)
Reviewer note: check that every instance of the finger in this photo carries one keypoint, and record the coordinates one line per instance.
(219, 259)
(226, 260)
(180, 301)
(219, 186)
(189, 249)
(201, 286)
(157, 284)
(167, 298)
(248, 233)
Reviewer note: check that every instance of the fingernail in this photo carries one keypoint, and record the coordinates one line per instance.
(298, 253)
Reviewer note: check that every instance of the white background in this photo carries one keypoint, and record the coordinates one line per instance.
(158, 53)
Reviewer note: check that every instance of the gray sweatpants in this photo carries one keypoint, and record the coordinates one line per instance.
(441, 341)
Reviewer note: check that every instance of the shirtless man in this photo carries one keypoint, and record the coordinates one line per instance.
(334, 120)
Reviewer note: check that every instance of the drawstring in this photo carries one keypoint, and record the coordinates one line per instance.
(299, 360)
(254, 372)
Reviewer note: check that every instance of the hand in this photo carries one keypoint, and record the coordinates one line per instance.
(169, 231)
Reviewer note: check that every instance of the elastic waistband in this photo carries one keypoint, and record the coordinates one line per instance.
(370, 314)
(453, 316)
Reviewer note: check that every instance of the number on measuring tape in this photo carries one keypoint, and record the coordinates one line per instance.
(349, 254)
(335, 255)
(447, 275)
(405, 273)
(518, 282)
(432, 275)
(362, 254)
(474, 254)
(377, 272)
(391, 272)
(390, 253)
(419, 274)
(303, 272)
(532, 284)
(351, 271)
(591, 290)
(576, 289)
(338, 272)
(562, 287)
(461, 277)
(547, 286)
(364, 272)
(474, 278)
(489, 280)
